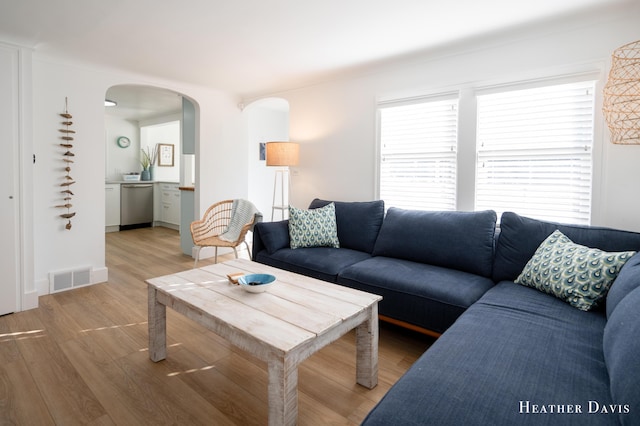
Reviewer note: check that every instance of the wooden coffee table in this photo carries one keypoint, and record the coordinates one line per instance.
(293, 319)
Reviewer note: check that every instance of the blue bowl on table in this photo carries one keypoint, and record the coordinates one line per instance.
(256, 283)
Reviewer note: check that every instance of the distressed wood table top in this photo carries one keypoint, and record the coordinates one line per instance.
(283, 326)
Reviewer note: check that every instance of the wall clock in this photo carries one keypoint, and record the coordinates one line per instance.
(123, 142)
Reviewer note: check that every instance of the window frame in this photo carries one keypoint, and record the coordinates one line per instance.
(574, 155)
(415, 100)
(467, 116)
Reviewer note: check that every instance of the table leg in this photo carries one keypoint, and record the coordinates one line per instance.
(157, 327)
(367, 350)
(283, 393)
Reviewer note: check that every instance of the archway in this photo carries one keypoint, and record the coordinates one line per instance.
(150, 117)
(265, 120)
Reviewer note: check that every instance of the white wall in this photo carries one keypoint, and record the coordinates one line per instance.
(164, 133)
(335, 122)
(143, 134)
(121, 160)
(57, 249)
(221, 156)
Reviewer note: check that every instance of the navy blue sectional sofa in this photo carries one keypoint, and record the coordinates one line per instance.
(428, 266)
(509, 354)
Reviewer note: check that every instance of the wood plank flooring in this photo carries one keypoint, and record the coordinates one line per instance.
(81, 357)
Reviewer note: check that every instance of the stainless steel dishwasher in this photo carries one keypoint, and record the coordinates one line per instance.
(136, 205)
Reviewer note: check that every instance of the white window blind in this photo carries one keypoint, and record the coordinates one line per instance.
(534, 152)
(418, 144)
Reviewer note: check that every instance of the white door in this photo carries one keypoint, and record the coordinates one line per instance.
(8, 168)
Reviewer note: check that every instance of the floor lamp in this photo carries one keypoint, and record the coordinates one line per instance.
(283, 155)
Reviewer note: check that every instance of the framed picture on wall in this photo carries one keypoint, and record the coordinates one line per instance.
(262, 149)
(165, 155)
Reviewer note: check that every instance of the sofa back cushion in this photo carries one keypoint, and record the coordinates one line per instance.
(621, 348)
(628, 280)
(358, 222)
(273, 235)
(520, 237)
(452, 239)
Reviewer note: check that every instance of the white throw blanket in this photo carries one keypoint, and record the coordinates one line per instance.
(242, 212)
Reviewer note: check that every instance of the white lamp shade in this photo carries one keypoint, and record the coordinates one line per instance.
(282, 153)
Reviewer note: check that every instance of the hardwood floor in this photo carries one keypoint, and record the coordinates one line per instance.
(81, 357)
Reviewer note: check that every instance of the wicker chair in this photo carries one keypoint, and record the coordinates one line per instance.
(216, 219)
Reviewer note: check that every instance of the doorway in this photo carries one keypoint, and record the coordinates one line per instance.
(155, 122)
(265, 120)
(9, 196)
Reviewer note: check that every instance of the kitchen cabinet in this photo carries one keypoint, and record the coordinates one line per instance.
(170, 204)
(112, 206)
(166, 204)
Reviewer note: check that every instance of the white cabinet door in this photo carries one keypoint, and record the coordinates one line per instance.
(175, 207)
(170, 203)
(112, 204)
(8, 171)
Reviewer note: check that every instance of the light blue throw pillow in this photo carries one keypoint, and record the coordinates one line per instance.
(574, 273)
(314, 227)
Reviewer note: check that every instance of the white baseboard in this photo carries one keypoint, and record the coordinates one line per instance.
(100, 275)
(42, 287)
(29, 300)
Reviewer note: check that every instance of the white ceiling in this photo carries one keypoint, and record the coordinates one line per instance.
(138, 103)
(252, 47)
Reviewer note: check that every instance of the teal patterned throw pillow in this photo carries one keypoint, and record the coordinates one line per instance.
(576, 274)
(314, 227)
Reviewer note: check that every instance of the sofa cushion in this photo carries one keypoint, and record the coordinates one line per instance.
(622, 355)
(627, 281)
(452, 239)
(323, 263)
(513, 349)
(358, 222)
(571, 272)
(520, 237)
(428, 296)
(313, 228)
(273, 235)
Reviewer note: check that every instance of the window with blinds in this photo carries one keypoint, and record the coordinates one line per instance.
(534, 152)
(418, 155)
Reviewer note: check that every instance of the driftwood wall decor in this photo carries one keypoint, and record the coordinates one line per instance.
(67, 158)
